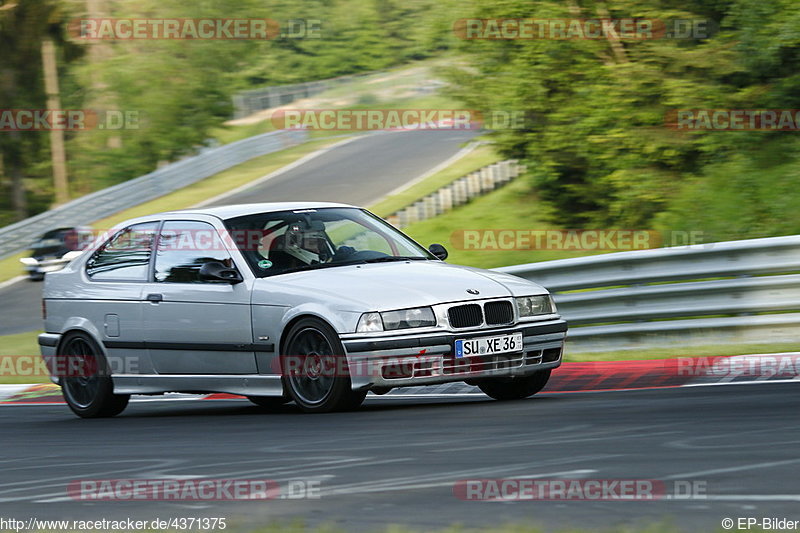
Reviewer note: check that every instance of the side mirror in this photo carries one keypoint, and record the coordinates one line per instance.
(216, 271)
(438, 250)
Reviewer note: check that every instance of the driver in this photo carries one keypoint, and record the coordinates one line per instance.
(309, 245)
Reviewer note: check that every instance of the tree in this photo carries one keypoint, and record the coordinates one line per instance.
(22, 27)
(595, 138)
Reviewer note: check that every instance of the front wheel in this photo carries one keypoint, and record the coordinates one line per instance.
(86, 383)
(315, 369)
(515, 388)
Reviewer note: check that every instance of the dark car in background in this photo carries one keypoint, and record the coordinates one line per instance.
(54, 249)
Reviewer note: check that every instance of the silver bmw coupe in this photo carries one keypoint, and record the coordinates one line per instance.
(311, 303)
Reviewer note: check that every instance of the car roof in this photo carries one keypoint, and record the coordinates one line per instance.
(231, 211)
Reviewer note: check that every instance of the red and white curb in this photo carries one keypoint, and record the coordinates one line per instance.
(10, 391)
(569, 378)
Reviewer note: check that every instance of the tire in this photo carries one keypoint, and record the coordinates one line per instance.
(315, 370)
(271, 402)
(515, 388)
(90, 395)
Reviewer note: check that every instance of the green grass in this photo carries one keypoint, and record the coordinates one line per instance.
(229, 134)
(512, 207)
(10, 267)
(478, 158)
(21, 344)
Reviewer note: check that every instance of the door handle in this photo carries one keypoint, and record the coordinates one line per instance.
(155, 298)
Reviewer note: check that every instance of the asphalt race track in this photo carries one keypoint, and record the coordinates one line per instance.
(395, 460)
(357, 173)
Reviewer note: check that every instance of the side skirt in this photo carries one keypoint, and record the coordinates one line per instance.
(246, 385)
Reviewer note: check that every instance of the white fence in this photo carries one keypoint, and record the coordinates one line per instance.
(458, 192)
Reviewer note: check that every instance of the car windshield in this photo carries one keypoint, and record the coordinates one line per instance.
(290, 241)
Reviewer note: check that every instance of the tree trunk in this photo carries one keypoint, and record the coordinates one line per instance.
(58, 153)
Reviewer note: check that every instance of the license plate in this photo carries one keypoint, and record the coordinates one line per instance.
(489, 345)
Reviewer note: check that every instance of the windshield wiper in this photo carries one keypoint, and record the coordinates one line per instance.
(394, 258)
(316, 266)
(308, 267)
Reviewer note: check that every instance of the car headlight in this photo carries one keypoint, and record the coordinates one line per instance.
(535, 305)
(369, 322)
(418, 317)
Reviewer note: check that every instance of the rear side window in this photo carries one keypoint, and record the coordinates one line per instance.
(125, 256)
(185, 246)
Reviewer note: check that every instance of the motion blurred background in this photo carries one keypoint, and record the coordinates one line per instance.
(595, 144)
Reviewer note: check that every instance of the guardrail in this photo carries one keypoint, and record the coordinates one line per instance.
(245, 103)
(248, 102)
(721, 293)
(169, 178)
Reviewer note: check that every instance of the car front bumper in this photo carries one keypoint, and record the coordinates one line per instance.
(410, 360)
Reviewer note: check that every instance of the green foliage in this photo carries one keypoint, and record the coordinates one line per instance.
(750, 196)
(595, 136)
(356, 36)
(22, 28)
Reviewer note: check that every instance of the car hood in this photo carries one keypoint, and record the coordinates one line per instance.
(385, 286)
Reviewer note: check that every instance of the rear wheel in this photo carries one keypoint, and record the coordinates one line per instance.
(515, 388)
(86, 383)
(315, 369)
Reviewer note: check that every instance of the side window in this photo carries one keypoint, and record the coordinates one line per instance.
(183, 247)
(125, 256)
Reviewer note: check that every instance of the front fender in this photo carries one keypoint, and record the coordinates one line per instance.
(340, 321)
